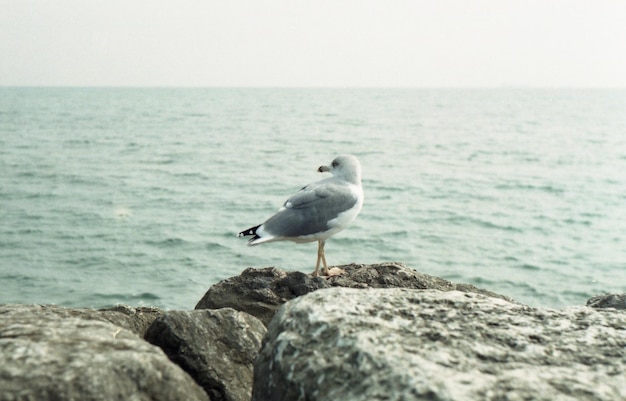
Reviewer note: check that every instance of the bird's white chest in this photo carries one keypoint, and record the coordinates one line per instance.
(344, 218)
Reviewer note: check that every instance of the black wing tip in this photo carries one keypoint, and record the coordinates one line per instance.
(250, 231)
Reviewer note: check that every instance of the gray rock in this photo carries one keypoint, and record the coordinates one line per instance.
(136, 320)
(260, 292)
(216, 347)
(398, 275)
(47, 356)
(401, 344)
(617, 301)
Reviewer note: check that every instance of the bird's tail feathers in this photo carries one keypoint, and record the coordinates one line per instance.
(259, 235)
(250, 231)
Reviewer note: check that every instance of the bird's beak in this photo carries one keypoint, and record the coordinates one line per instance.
(323, 169)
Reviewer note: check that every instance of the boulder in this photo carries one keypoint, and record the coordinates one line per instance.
(616, 301)
(403, 344)
(50, 353)
(136, 320)
(216, 347)
(260, 292)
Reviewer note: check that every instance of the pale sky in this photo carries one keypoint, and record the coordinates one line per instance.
(345, 43)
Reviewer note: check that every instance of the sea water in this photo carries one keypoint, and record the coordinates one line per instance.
(136, 195)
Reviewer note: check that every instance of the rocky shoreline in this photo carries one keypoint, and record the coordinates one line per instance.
(380, 331)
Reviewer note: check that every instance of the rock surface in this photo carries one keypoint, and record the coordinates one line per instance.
(136, 320)
(400, 344)
(365, 334)
(52, 353)
(260, 292)
(216, 347)
(617, 301)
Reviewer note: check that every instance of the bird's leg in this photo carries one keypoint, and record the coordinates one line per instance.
(320, 257)
(325, 270)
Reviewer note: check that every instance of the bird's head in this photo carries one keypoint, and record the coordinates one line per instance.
(346, 167)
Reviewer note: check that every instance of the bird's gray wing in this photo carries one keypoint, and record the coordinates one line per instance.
(310, 210)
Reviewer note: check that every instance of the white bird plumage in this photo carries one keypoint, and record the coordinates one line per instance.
(318, 211)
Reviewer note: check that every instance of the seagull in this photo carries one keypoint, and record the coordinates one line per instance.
(316, 212)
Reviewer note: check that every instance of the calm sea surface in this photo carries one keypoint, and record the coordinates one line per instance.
(136, 195)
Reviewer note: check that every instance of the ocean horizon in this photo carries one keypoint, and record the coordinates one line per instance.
(136, 195)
